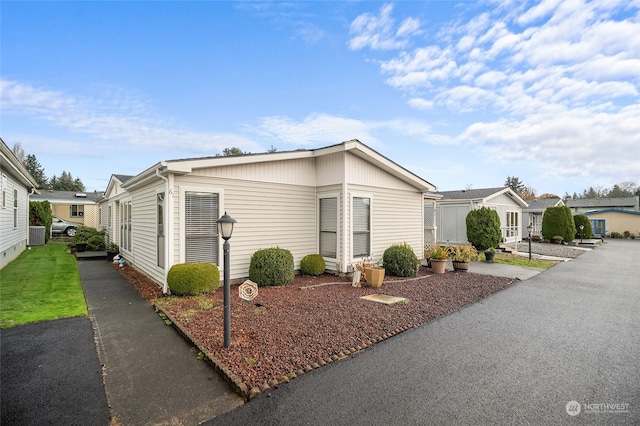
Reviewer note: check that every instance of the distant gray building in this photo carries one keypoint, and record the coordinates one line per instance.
(582, 205)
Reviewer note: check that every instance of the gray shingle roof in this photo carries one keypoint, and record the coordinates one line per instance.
(540, 205)
(123, 178)
(600, 203)
(469, 194)
(78, 197)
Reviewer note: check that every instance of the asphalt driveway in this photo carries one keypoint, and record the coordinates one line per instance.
(559, 348)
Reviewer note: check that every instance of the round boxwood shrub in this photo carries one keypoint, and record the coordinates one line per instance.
(558, 220)
(192, 279)
(583, 220)
(271, 267)
(483, 228)
(312, 264)
(399, 260)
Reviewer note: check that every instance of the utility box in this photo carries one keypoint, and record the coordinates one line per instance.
(36, 235)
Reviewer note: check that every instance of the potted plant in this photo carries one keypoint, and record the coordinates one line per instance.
(358, 271)
(112, 250)
(461, 256)
(375, 276)
(438, 259)
(489, 254)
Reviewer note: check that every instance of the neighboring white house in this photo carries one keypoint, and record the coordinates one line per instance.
(344, 201)
(17, 185)
(453, 207)
(535, 211)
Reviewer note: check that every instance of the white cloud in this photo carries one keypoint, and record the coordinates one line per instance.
(121, 118)
(377, 31)
(557, 83)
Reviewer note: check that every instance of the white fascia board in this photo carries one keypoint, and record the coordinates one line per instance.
(187, 166)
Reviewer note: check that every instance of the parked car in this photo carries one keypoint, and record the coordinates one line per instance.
(60, 226)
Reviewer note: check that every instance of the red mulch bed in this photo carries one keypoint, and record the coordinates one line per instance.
(286, 331)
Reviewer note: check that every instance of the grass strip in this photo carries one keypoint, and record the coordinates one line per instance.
(42, 284)
(514, 259)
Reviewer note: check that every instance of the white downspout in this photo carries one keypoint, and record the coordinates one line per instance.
(31, 192)
(169, 220)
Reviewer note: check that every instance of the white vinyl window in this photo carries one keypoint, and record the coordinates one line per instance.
(15, 208)
(201, 228)
(125, 225)
(329, 227)
(361, 240)
(160, 228)
(4, 191)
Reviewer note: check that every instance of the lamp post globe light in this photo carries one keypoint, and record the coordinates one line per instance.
(581, 231)
(529, 229)
(225, 229)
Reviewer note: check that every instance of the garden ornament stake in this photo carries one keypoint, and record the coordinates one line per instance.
(225, 229)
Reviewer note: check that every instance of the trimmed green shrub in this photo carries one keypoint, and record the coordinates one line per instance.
(91, 236)
(40, 215)
(271, 267)
(583, 220)
(192, 279)
(483, 228)
(400, 260)
(312, 264)
(615, 234)
(558, 220)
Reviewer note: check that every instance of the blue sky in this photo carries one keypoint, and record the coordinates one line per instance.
(460, 93)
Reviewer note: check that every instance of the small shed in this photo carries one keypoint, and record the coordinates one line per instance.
(453, 207)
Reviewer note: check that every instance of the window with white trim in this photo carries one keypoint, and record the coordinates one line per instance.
(15, 208)
(125, 225)
(4, 191)
(328, 227)
(361, 241)
(201, 227)
(160, 228)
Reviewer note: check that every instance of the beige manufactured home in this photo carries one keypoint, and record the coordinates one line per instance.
(343, 201)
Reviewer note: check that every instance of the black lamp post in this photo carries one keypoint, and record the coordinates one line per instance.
(225, 229)
(581, 231)
(529, 229)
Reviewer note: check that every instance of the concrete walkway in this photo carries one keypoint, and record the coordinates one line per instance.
(151, 375)
(561, 347)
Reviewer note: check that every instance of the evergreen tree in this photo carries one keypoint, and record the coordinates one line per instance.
(514, 183)
(66, 183)
(35, 169)
(227, 152)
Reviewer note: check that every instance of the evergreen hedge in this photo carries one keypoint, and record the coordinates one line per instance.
(312, 264)
(192, 279)
(581, 219)
(40, 215)
(400, 261)
(558, 221)
(483, 228)
(271, 267)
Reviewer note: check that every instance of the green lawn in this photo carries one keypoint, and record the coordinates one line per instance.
(514, 259)
(41, 284)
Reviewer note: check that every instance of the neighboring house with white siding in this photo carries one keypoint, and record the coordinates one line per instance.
(74, 206)
(454, 206)
(17, 185)
(343, 201)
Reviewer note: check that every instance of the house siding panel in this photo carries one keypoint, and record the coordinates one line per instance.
(143, 226)
(13, 239)
(301, 171)
(268, 214)
(361, 172)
